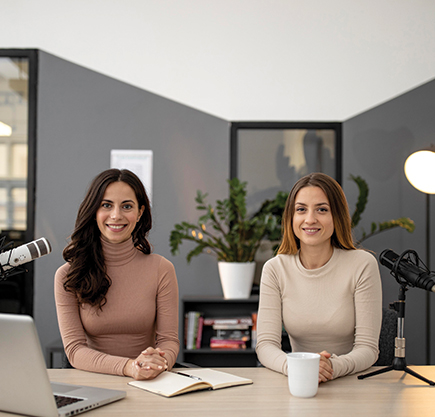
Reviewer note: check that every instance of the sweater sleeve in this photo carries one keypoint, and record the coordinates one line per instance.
(167, 313)
(269, 322)
(73, 333)
(368, 320)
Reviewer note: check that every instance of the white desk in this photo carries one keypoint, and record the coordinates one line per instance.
(391, 394)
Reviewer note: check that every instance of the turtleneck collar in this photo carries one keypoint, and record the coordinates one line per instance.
(118, 254)
(318, 271)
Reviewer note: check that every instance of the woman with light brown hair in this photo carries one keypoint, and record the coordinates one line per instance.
(324, 291)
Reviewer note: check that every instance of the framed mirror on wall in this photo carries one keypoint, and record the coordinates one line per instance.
(17, 168)
(272, 156)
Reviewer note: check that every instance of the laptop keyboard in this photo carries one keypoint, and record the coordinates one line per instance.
(62, 401)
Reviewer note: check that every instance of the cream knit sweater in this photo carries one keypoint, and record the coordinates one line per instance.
(337, 308)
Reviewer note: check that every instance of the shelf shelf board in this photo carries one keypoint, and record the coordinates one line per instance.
(218, 299)
(218, 351)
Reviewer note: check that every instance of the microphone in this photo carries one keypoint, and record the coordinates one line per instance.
(408, 269)
(23, 254)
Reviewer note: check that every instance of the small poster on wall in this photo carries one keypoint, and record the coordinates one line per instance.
(138, 161)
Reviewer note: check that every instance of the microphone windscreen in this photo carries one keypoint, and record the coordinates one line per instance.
(388, 258)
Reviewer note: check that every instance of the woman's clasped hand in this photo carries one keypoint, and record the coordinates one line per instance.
(325, 367)
(149, 364)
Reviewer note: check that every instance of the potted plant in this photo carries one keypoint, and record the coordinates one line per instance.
(227, 232)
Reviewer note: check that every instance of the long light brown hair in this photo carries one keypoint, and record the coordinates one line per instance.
(342, 236)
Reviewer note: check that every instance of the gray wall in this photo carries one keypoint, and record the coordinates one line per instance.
(82, 115)
(375, 146)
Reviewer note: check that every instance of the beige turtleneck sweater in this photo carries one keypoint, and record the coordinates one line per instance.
(337, 308)
(141, 311)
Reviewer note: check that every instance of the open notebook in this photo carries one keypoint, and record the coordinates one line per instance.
(24, 384)
(170, 384)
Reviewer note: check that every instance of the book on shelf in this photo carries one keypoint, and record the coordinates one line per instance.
(199, 332)
(230, 332)
(170, 384)
(216, 343)
(230, 339)
(254, 331)
(193, 323)
(233, 334)
(227, 321)
(230, 326)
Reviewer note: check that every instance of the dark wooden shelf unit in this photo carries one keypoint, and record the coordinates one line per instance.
(219, 307)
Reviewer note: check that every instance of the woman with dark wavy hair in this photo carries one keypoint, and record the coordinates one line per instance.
(325, 292)
(117, 303)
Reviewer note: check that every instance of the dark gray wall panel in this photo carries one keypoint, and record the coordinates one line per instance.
(375, 146)
(82, 115)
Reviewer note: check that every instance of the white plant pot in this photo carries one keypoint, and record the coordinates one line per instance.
(236, 278)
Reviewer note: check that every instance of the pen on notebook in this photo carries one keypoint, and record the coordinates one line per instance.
(190, 376)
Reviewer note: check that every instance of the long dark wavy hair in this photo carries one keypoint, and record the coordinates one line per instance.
(87, 276)
(342, 236)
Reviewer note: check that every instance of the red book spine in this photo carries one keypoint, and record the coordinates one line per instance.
(199, 334)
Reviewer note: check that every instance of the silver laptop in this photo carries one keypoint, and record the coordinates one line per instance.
(24, 384)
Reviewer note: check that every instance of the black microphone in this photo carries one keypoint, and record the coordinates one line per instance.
(408, 269)
(22, 254)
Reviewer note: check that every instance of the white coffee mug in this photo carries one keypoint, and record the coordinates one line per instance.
(303, 373)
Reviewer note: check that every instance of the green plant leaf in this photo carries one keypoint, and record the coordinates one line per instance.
(195, 252)
(362, 199)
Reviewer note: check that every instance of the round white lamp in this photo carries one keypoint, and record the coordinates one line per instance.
(420, 172)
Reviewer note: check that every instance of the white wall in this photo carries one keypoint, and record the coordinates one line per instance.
(241, 59)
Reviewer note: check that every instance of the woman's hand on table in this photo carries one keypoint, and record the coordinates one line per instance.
(150, 363)
(325, 367)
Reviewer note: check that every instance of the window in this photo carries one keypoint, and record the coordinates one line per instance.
(18, 79)
(14, 109)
